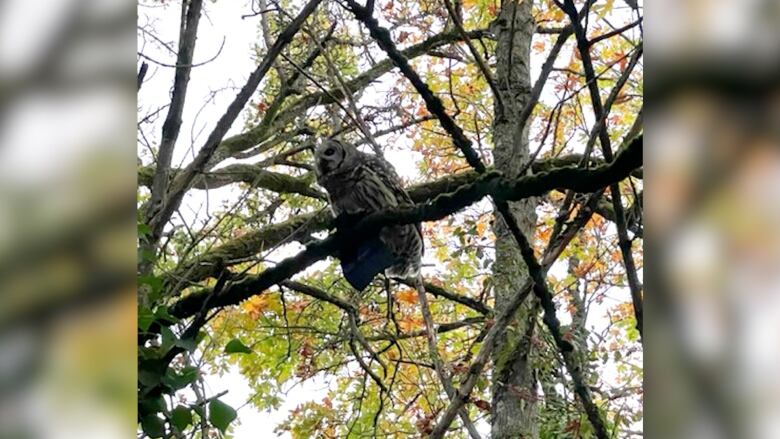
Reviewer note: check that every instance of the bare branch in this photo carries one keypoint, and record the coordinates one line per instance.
(455, 17)
(617, 31)
(599, 111)
(142, 74)
(191, 12)
(183, 180)
(438, 364)
(243, 141)
(435, 106)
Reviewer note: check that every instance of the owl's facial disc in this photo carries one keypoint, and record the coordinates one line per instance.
(330, 156)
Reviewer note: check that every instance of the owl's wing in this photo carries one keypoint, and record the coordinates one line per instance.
(390, 179)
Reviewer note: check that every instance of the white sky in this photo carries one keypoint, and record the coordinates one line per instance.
(231, 68)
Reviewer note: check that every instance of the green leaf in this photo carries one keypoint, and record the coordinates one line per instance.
(181, 417)
(146, 255)
(221, 414)
(168, 339)
(156, 283)
(150, 406)
(164, 316)
(145, 318)
(236, 347)
(187, 343)
(632, 334)
(150, 371)
(144, 229)
(182, 379)
(153, 426)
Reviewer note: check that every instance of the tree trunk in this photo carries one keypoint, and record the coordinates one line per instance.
(515, 411)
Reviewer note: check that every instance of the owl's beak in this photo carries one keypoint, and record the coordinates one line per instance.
(324, 166)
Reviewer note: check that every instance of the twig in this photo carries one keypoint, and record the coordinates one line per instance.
(617, 31)
(455, 17)
(438, 365)
(178, 64)
(620, 221)
(183, 181)
(142, 74)
(436, 107)
(191, 12)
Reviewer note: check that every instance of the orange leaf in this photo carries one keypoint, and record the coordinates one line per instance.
(408, 324)
(407, 296)
(482, 404)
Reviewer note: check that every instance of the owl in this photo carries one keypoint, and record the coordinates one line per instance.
(361, 183)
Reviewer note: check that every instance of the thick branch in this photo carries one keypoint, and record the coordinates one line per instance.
(256, 176)
(493, 183)
(253, 175)
(252, 243)
(170, 130)
(302, 226)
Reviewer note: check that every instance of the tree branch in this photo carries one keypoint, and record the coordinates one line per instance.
(493, 183)
(249, 138)
(599, 111)
(302, 226)
(438, 363)
(435, 106)
(253, 175)
(554, 248)
(170, 131)
(185, 178)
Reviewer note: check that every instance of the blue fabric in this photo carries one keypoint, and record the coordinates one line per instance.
(369, 259)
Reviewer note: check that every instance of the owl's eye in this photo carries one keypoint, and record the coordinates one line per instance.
(329, 151)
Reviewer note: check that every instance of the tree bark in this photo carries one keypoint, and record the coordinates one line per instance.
(515, 411)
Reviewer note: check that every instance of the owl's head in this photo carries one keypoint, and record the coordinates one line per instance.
(332, 156)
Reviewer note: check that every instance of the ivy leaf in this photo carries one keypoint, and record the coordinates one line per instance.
(187, 343)
(181, 417)
(153, 426)
(236, 347)
(221, 414)
(152, 284)
(168, 339)
(150, 406)
(164, 316)
(144, 229)
(145, 318)
(182, 379)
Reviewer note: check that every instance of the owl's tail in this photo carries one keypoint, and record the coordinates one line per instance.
(368, 259)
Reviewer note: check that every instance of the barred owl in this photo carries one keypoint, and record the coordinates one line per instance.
(361, 183)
